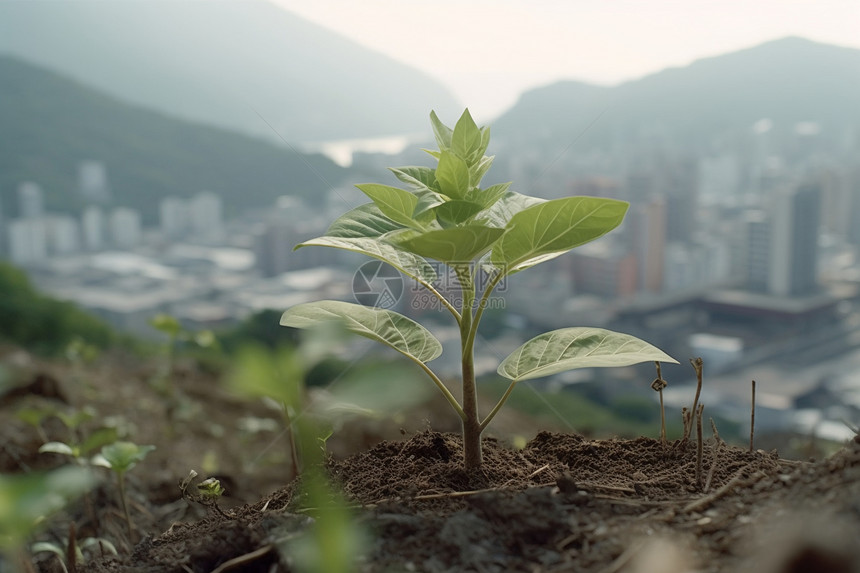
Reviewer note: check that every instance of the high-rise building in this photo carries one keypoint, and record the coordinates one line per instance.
(174, 217)
(756, 250)
(205, 211)
(31, 200)
(125, 228)
(92, 181)
(93, 228)
(795, 224)
(64, 235)
(646, 238)
(28, 241)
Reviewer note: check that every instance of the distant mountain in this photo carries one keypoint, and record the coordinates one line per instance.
(49, 124)
(222, 63)
(787, 81)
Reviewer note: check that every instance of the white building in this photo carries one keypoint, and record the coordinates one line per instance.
(174, 217)
(125, 228)
(64, 235)
(92, 181)
(28, 241)
(31, 200)
(205, 211)
(93, 228)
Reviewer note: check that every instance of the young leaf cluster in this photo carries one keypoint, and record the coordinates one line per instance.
(445, 215)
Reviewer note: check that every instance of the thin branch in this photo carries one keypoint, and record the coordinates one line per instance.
(447, 393)
(752, 416)
(498, 405)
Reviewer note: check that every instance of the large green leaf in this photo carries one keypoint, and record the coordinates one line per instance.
(456, 212)
(388, 327)
(396, 204)
(363, 221)
(452, 174)
(427, 200)
(442, 132)
(417, 177)
(359, 230)
(409, 264)
(511, 203)
(582, 347)
(453, 245)
(467, 138)
(545, 231)
(479, 168)
(488, 197)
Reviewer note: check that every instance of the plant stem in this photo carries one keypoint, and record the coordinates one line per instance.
(471, 425)
(752, 417)
(295, 470)
(697, 366)
(499, 405)
(121, 480)
(441, 298)
(441, 385)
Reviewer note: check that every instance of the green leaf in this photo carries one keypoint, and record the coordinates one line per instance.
(511, 203)
(456, 212)
(453, 176)
(489, 196)
(58, 448)
(359, 231)
(365, 221)
(260, 371)
(166, 324)
(408, 263)
(485, 139)
(453, 245)
(479, 169)
(388, 327)
(427, 200)
(545, 231)
(466, 138)
(396, 204)
(570, 348)
(442, 132)
(123, 456)
(417, 177)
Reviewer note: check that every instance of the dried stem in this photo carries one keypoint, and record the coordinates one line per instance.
(699, 412)
(752, 417)
(71, 552)
(697, 366)
(717, 447)
(658, 385)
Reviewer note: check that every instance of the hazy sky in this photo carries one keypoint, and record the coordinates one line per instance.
(488, 51)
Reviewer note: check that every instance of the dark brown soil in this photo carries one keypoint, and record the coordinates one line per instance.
(563, 503)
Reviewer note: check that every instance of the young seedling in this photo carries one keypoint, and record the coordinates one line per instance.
(698, 366)
(483, 235)
(657, 385)
(120, 457)
(26, 501)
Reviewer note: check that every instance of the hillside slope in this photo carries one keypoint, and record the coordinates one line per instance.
(50, 124)
(223, 62)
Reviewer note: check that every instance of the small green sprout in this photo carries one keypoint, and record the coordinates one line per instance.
(210, 488)
(62, 552)
(176, 333)
(26, 501)
(483, 236)
(121, 457)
